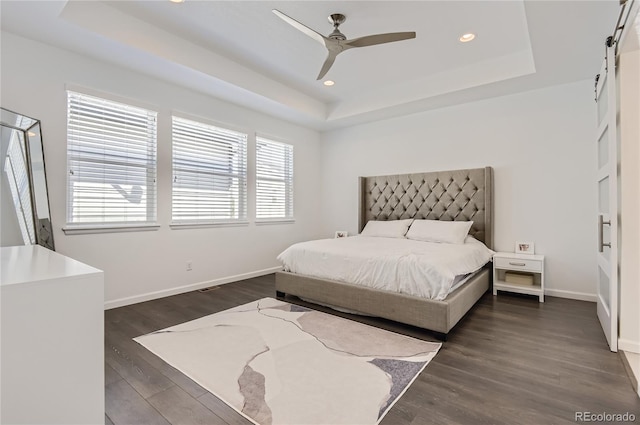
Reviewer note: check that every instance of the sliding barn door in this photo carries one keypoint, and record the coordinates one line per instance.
(607, 185)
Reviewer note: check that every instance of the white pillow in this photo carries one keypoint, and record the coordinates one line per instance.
(387, 229)
(439, 231)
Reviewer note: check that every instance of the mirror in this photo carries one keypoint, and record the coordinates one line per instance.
(26, 218)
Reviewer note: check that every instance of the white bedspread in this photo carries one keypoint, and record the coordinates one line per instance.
(423, 269)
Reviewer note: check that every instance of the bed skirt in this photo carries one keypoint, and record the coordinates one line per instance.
(438, 316)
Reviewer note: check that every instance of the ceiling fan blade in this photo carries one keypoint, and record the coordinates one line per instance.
(328, 63)
(300, 27)
(372, 40)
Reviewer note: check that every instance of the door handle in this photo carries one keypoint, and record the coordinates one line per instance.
(601, 224)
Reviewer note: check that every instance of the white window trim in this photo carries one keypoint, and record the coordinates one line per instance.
(205, 224)
(114, 97)
(243, 193)
(267, 221)
(274, 220)
(112, 227)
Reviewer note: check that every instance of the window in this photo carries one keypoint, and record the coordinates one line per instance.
(274, 180)
(15, 166)
(111, 156)
(209, 173)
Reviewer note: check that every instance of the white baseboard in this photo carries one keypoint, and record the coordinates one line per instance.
(186, 288)
(560, 293)
(628, 345)
(632, 366)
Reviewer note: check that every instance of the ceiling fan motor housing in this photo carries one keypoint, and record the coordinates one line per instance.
(337, 35)
(336, 19)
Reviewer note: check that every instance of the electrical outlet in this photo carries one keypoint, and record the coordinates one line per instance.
(189, 265)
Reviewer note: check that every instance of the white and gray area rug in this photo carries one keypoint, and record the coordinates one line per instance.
(279, 363)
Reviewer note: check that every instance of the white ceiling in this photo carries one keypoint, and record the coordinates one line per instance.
(241, 52)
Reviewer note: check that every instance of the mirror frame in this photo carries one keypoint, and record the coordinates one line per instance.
(32, 134)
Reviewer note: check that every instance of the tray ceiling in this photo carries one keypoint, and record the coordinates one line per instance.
(241, 52)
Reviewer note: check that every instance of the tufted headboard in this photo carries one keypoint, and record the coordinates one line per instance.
(442, 195)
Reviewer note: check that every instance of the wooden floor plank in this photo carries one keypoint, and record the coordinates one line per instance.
(139, 374)
(110, 375)
(179, 407)
(509, 360)
(124, 405)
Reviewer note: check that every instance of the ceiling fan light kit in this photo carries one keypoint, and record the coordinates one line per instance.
(336, 42)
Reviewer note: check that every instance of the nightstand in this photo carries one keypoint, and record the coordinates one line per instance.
(524, 272)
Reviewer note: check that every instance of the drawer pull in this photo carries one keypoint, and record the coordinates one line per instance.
(517, 264)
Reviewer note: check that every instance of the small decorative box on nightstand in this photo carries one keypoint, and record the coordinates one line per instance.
(521, 273)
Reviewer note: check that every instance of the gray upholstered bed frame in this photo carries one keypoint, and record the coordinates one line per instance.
(461, 195)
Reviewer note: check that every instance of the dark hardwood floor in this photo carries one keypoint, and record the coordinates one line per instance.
(510, 361)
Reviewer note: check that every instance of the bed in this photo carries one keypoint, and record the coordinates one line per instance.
(460, 195)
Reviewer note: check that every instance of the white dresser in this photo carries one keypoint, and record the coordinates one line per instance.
(52, 338)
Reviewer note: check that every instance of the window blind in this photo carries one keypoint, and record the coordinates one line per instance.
(209, 173)
(111, 155)
(274, 179)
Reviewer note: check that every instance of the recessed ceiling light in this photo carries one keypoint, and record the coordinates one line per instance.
(328, 83)
(176, 1)
(467, 37)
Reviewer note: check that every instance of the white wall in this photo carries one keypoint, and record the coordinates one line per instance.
(540, 144)
(542, 148)
(629, 70)
(139, 265)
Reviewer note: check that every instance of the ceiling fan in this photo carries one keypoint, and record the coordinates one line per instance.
(336, 42)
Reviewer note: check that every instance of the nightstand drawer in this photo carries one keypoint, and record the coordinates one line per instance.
(518, 264)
